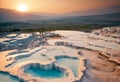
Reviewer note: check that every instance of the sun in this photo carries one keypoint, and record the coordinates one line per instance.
(22, 8)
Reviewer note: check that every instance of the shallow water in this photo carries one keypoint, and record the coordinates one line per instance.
(5, 77)
(47, 74)
(73, 64)
(34, 56)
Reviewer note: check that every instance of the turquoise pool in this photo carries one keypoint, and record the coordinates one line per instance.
(47, 74)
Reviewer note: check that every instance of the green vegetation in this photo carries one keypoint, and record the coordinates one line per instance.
(86, 28)
(41, 26)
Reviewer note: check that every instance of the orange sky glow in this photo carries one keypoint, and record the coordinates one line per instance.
(59, 6)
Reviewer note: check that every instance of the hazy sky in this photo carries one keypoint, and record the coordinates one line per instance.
(59, 6)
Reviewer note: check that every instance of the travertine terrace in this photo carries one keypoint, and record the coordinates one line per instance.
(73, 56)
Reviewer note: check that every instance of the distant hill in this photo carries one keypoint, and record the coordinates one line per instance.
(104, 18)
(12, 15)
(109, 10)
(8, 15)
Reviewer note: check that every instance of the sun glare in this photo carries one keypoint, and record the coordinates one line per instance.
(22, 8)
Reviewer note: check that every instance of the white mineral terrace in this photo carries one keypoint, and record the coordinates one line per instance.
(59, 54)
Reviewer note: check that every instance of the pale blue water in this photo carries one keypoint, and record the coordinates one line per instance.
(73, 64)
(5, 77)
(34, 56)
(21, 41)
(47, 74)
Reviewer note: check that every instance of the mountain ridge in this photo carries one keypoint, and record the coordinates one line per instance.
(7, 15)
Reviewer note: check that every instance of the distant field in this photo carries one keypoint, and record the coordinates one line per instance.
(85, 28)
(79, 23)
(49, 25)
